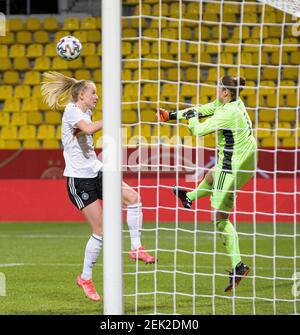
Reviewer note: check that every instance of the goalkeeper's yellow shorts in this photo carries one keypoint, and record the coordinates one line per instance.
(226, 185)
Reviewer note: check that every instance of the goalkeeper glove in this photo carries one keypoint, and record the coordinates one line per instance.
(190, 114)
(163, 115)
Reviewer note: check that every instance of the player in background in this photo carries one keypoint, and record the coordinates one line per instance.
(237, 151)
(84, 171)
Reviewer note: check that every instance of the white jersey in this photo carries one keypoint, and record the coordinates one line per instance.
(80, 157)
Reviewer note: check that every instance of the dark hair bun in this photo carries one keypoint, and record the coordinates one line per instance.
(242, 81)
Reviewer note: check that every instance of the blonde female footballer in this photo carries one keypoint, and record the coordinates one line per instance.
(84, 171)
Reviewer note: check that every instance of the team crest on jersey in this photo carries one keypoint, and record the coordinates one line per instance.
(85, 196)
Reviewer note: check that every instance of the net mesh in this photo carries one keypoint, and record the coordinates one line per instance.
(173, 54)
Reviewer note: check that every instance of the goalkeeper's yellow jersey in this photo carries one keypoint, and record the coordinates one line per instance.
(233, 129)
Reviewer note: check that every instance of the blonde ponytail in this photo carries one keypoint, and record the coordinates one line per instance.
(57, 89)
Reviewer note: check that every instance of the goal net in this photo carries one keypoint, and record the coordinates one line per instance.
(173, 54)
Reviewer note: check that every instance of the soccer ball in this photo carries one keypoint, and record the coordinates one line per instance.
(68, 48)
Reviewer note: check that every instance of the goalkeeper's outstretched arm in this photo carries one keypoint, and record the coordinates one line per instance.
(202, 111)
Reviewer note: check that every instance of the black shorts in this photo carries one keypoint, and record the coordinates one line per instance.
(84, 191)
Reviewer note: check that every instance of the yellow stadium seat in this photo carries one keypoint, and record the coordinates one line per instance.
(22, 91)
(188, 90)
(257, 32)
(129, 117)
(250, 18)
(213, 74)
(169, 33)
(266, 88)
(287, 87)
(15, 24)
(34, 51)
(143, 74)
(71, 23)
(75, 64)
(81, 35)
(287, 115)
(32, 78)
(269, 142)
(21, 64)
(160, 9)
(126, 48)
(142, 48)
(50, 24)
(275, 31)
(263, 129)
(36, 91)
(126, 75)
(27, 132)
(35, 118)
(58, 133)
(94, 36)
(292, 100)
(290, 142)
(212, 47)
(295, 56)
(53, 117)
(30, 104)
(4, 119)
(23, 37)
(83, 75)
(51, 144)
(208, 89)
(31, 144)
(146, 32)
(3, 51)
(97, 75)
(33, 24)
(267, 115)
(131, 91)
(271, 45)
(11, 105)
(42, 63)
(290, 73)
(59, 64)
(5, 64)
(169, 91)
(19, 119)
(92, 62)
(46, 132)
(172, 74)
(11, 77)
(290, 44)
(226, 58)
(99, 50)
(12, 144)
(6, 92)
(17, 50)
(41, 36)
(61, 33)
(88, 49)
(283, 129)
(88, 23)
(216, 33)
(9, 38)
(151, 91)
(270, 73)
(9, 132)
(43, 106)
(50, 50)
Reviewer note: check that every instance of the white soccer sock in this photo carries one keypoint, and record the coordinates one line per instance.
(135, 221)
(92, 252)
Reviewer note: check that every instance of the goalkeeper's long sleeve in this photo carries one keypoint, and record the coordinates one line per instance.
(202, 111)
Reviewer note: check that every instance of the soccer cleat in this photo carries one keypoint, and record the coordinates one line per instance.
(141, 255)
(88, 288)
(181, 194)
(241, 271)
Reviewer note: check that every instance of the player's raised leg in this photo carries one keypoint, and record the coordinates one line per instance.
(132, 200)
(93, 214)
(204, 189)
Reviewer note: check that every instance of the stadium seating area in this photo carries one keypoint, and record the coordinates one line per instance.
(167, 51)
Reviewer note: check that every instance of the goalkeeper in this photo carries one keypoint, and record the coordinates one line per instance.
(236, 161)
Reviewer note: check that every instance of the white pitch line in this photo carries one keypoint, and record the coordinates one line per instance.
(162, 267)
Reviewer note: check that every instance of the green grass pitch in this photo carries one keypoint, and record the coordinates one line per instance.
(40, 262)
